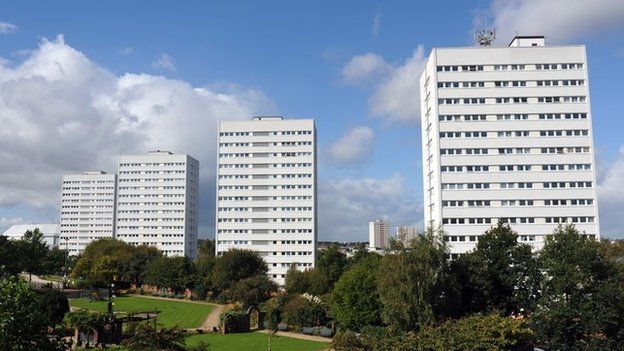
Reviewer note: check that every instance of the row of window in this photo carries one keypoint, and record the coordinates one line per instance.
(263, 220)
(264, 242)
(512, 100)
(146, 180)
(153, 172)
(515, 133)
(511, 83)
(284, 132)
(263, 198)
(510, 117)
(88, 181)
(265, 176)
(265, 231)
(264, 187)
(524, 168)
(508, 203)
(274, 154)
(514, 185)
(268, 143)
(515, 151)
(515, 67)
(268, 209)
(519, 220)
(147, 164)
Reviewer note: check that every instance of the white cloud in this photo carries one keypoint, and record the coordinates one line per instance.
(376, 25)
(8, 28)
(347, 205)
(165, 62)
(559, 20)
(63, 113)
(354, 147)
(611, 199)
(365, 69)
(125, 51)
(398, 97)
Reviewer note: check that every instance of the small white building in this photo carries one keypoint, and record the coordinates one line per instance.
(50, 232)
(378, 234)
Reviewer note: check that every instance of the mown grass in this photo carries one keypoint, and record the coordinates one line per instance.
(172, 313)
(254, 342)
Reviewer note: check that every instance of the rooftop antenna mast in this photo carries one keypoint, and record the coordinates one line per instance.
(485, 36)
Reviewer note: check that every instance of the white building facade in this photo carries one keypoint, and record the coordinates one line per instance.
(507, 134)
(378, 234)
(266, 191)
(157, 201)
(50, 231)
(87, 209)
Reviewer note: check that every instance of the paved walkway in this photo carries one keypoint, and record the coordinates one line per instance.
(213, 319)
(300, 336)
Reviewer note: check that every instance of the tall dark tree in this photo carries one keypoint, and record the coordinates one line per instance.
(253, 290)
(32, 251)
(54, 261)
(235, 265)
(332, 263)
(582, 303)
(503, 275)
(54, 305)
(411, 284)
(136, 268)
(175, 273)
(10, 263)
(205, 248)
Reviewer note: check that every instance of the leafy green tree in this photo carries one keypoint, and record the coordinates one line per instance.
(503, 275)
(103, 261)
(203, 283)
(54, 261)
(355, 300)
(205, 248)
(142, 257)
(253, 290)
(54, 305)
(175, 273)
(146, 337)
(235, 265)
(32, 251)
(410, 284)
(9, 257)
(311, 281)
(582, 302)
(302, 312)
(332, 263)
(23, 325)
(295, 282)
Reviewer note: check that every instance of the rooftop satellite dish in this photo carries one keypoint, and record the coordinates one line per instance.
(485, 37)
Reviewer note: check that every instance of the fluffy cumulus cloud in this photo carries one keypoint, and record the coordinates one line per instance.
(8, 28)
(395, 95)
(347, 205)
(559, 20)
(63, 113)
(611, 198)
(354, 147)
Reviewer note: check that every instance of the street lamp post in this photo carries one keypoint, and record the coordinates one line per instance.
(111, 288)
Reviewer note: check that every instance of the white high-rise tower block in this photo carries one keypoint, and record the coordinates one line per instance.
(507, 134)
(87, 209)
(157, 197)
(266, 191)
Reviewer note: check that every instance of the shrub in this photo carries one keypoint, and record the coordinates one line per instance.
(301, 312)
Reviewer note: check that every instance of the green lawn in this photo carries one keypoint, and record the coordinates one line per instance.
(180, 313)
(254, 342)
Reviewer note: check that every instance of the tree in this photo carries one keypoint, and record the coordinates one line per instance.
(32, 251)
(146, 337)
(205, 248)
(301, 311)
(204, 266)
(582, 302)
(410, 284)
(503, 275)
(253, 290)
(54, 261)
(23, 326)
(54, 305)
(142, 257)
(103, 261)
(9, 257)
(235, 265)
(175, 273)
(311, 281)
(332, 263)
(355, 300)
(295, 282)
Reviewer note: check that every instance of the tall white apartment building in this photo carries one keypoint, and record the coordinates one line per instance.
(157, 199)
(507, 134)
(266, 191)
(87, 209)
(378, 234)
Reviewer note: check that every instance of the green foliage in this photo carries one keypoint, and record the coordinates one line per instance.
(144, 336)
(255, 342)
(54, 261)
(102, 261)
(175, 273)
(135, 269)
(235, 265)
(9, 257)
(311, 281)
(83, 319)
(32, 250)
(54, 305)
(302, 311)
(23, 326)
(205, 248)
(252, 291)
(502, 275)
(274, 310)
(411, 284)
(204, 266)
(582, 304)
(331, 263)
(355, 300)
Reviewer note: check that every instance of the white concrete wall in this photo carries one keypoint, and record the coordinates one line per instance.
(463, 237)
(266, 191)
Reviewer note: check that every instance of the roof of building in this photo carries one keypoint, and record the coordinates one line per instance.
(18, 230)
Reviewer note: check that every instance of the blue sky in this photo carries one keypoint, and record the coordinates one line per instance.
(337, 62)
